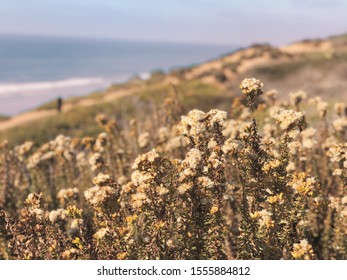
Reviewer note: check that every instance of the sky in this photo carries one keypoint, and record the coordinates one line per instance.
(234, 22)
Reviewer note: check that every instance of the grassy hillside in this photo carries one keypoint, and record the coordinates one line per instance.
(80, 120)
(318, 67)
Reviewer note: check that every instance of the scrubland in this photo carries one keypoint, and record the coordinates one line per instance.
(264, 179)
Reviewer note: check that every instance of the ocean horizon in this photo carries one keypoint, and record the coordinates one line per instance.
(36, 69)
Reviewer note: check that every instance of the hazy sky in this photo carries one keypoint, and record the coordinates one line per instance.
(199, 21)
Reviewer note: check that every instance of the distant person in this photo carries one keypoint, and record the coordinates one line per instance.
(59, 104)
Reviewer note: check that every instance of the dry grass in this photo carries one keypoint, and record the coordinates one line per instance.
(215, 185)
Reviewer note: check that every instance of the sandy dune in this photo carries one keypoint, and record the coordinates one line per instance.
(37, 115)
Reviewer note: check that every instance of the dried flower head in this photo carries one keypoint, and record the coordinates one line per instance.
(251, 87)
(289, 119)
(303, 184)
(297, 97)
(303, 251)
(143, 139)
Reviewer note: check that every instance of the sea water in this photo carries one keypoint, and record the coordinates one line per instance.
(35, 70)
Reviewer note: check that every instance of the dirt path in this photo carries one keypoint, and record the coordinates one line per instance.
(36, 115)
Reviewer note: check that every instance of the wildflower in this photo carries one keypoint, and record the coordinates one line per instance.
(340, 124)
(88, 142)
(74, 212)
(291, 166)
(100, 234)
(251, 87)
(337, 172)
(340, 109)
(70, 254)
(143, 139)
(217, 116)
(303, 251)
(34, 200)
(98, 195)
(302, 184)
(271, 165)
(82, 161)
(276, 199)
(271, 95)
(308, 140)
(102, 179)
(263, 217)
(57, 215)
(65, 194)
(122, 256)
(338, 152)
(193, 158)
(232, 146)
(183, 188)
(163, 134)
(322, 108)
(78, 243)
(38, 213)
(48, 156)
(170, 243)
(162, 190)
(149, 157)
(142, 178)
(175, 143)
(214, 209)
(138, 199)
(205, 182)
(25, 148)
(131, 219)
(193, 124)
(101, 119)
(288, 119)
(297, 97)
(96, 161)
(101, 142)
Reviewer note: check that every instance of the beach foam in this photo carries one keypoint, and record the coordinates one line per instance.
(10, 88)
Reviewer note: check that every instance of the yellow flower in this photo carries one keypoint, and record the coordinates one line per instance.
(122, 256)
(160, 224)
(214, 209)
(131, 219)
(276, 198)
(77, 241)
(251, 87)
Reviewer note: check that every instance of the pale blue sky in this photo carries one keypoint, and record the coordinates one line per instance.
(199, 21)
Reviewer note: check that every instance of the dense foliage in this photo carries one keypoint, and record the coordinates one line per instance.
(212, 185)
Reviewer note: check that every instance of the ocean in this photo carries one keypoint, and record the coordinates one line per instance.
(35, 70)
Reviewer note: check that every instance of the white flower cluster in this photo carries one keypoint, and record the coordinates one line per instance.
(149, 157)
(69, 193)
(143, 139)
(101, 192)
(297, 97)
(338, 153)
(101, 142)
(322, 106)
(288, 119)
(57, 215)
(197, 122)
(96, 161)
(251, 87)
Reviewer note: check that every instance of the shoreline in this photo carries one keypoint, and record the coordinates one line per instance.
(19, 98)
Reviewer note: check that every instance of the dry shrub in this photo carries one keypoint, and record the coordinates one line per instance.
(207, 186)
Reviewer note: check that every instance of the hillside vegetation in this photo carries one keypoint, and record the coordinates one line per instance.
(318, 67)
(186, 166)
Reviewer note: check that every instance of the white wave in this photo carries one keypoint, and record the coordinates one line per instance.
(145, 76)
(8, 88)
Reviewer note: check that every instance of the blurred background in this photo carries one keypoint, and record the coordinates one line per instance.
(52, 48)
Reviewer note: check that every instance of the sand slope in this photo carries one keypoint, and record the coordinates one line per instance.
(28, 117)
